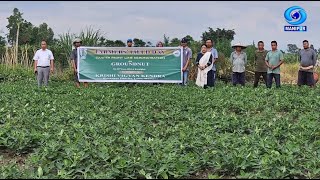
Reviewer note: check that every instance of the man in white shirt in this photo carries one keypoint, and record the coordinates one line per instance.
(43, 64)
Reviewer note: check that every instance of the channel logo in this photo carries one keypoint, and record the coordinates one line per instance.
(295, 16)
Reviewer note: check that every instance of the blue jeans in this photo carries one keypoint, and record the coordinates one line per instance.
(270, 78)
(185, 77)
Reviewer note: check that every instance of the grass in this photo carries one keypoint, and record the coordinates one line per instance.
(157, 131)
(289, 73)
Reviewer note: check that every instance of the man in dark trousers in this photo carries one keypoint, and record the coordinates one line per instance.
(238, 59)
(308, 60)
(261, 67)
(74, 60)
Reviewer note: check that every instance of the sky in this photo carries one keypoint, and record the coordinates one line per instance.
(150, 20)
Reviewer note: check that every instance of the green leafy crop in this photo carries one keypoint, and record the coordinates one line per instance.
(159, 131)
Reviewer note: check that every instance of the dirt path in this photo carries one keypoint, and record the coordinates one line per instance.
(7, 157)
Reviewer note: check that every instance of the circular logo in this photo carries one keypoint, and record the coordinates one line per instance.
(176, 53)
(295, 15)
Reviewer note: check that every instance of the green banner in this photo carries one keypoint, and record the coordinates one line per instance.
(130, 64)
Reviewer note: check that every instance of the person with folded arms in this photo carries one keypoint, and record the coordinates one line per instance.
(274, 59)
(308, 60)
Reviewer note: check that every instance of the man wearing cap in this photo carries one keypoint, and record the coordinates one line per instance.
(129, 43)
(74, 60)
(43, 64)
(186, 55)
(238, 60)
(214, 53)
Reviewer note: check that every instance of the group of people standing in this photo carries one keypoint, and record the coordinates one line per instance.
(267, 63)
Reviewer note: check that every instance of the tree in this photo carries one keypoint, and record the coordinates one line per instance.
(43, 32)
(119, 43)
(195, 46)
(218, 34)
(224, 46)
(166, 40)
(101, 41)
(189, 38)
(109, 43)
(25, 31)
(312, 47)
(139, 42)
(2, 41)
(149, 44)
(224, 49)
(90, 36)
(292, 48)
(13, 21)
(250, 51)
(174, 42)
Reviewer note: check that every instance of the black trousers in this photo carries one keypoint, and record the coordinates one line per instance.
(305, 78)
(210, 79)
(238, 78)
(257, 76)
